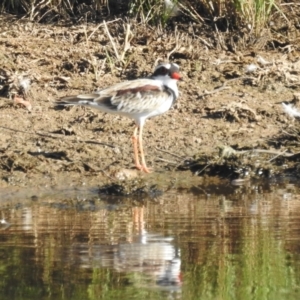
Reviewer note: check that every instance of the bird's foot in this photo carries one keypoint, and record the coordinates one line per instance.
(146, 170)
(143, 168)
(21, 100)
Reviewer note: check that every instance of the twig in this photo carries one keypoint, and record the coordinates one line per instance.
(205, 42)
(167, 161)
(176, 44)
(277, 155)
(55, 136)
(126, 42)
(85, 34)
(192, 12)
(180, 163)
(222, 87)
(111, 40)
(227, 151)
(284, 154)
(101, 24)
(173, 154)
(200, 171)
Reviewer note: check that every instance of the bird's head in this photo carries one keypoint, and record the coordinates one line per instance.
(167, 69)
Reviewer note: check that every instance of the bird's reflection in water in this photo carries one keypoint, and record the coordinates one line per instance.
(153, 256)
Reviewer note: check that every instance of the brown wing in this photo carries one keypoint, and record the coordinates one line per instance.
(139, 100)
(138, 96)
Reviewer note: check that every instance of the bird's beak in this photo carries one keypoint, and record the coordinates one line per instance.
(177, 76)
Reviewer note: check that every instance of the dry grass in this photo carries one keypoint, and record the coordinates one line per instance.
(234, 23)
(254, 13)
(47, 10)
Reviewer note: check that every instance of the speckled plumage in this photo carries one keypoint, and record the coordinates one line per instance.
(137, 99)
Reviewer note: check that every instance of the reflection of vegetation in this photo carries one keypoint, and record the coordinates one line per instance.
(109, 286)
(253, 266)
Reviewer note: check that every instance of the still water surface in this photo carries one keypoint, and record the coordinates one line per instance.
(209, 243)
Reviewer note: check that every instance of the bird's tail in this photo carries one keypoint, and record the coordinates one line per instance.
(85, 99)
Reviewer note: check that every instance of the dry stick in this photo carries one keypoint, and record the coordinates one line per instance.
(289, 134)
(101, 24)
(256, 151)
(205, 42)
(53, 136)
(167, 161)
(39, 7)
(182, 159)
(72, 140)
(192, 12)
(171, 52)
(157, 61)
(111, 40)
(176, 45)
(101, 69)
(179, 164)
(93, 32)
(127, 42)
(173, 154)
(284, 154)
(46, 13)
(277, 155)
(199, 172)
(222, 87)
(85, 34)
(291, 3)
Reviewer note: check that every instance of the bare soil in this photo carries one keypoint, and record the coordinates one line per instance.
(227, 98)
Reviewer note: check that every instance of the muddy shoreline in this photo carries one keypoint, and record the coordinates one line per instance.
(223, 104)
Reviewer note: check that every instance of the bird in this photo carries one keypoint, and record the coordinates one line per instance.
(137, 99)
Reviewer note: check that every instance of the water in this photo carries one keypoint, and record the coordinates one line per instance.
(211, 243)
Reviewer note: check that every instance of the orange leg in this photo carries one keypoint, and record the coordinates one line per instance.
(135, 149)
(144, 166)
